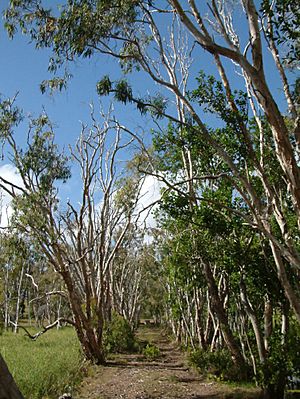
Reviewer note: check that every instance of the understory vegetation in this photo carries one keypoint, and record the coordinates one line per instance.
(217, 364)
(151, 351)
(45, 368)
(54, 363)
(119, 336)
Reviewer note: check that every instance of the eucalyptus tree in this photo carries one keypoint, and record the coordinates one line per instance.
(79, 241)
(220, 286)
(219, 270)
(133, 32)
(257, 156)
(129, 275)
(14, 265)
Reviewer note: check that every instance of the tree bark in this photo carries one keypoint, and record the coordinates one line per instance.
(217, 307)
(255, 323)
(282, 275)
(8, 387)
(91, 340)
(255, 73)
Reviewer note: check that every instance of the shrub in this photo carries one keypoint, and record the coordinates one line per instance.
(119, 336)
(151, 352)
(283, 362)
(217, 363)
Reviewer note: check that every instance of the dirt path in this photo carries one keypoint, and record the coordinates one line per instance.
(169, 377)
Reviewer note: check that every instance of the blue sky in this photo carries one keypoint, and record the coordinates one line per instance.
(22, 68)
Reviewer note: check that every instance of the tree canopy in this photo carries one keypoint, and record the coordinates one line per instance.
(226, 152)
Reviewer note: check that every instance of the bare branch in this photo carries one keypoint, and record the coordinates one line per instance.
(45, 329)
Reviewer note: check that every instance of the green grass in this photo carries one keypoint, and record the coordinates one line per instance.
(45, 368)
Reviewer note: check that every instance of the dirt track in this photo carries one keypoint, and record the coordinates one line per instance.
(133, 377)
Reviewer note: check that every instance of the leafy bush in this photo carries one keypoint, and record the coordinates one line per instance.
(151, 352)
(283, 363)
(119, 336)
(217, 363)
(293, 354)
(45, 368)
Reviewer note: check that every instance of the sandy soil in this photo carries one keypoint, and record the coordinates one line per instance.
(130, 376)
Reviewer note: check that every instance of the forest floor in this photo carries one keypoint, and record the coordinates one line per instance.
(132, 376)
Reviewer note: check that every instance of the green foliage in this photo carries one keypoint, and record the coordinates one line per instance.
(104, 86)
(217, 363)
(285, 21)
(277, 366)
(118, 335)
(10, 116)
(75, 30)
(283, 360)
(123, 91)
(293, 348)
(211, 95)
(40, 165)
(42, 158)
(151, 352)
(153, 286)
(44, 368)
(55, 84)
(155, 105)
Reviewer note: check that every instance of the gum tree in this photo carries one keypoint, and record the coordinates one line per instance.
(80, 242)
(251, 128)
(220, 278)
(130, 31)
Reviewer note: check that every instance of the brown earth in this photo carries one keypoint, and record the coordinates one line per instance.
(130, 376)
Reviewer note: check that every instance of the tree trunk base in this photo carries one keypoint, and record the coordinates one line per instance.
(8, 387)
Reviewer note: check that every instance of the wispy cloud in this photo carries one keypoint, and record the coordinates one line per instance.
(9, 173)
(150, 194)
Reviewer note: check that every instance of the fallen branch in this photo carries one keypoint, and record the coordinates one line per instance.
(45, 329)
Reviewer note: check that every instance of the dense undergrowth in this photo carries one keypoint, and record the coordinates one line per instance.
(216, 364)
